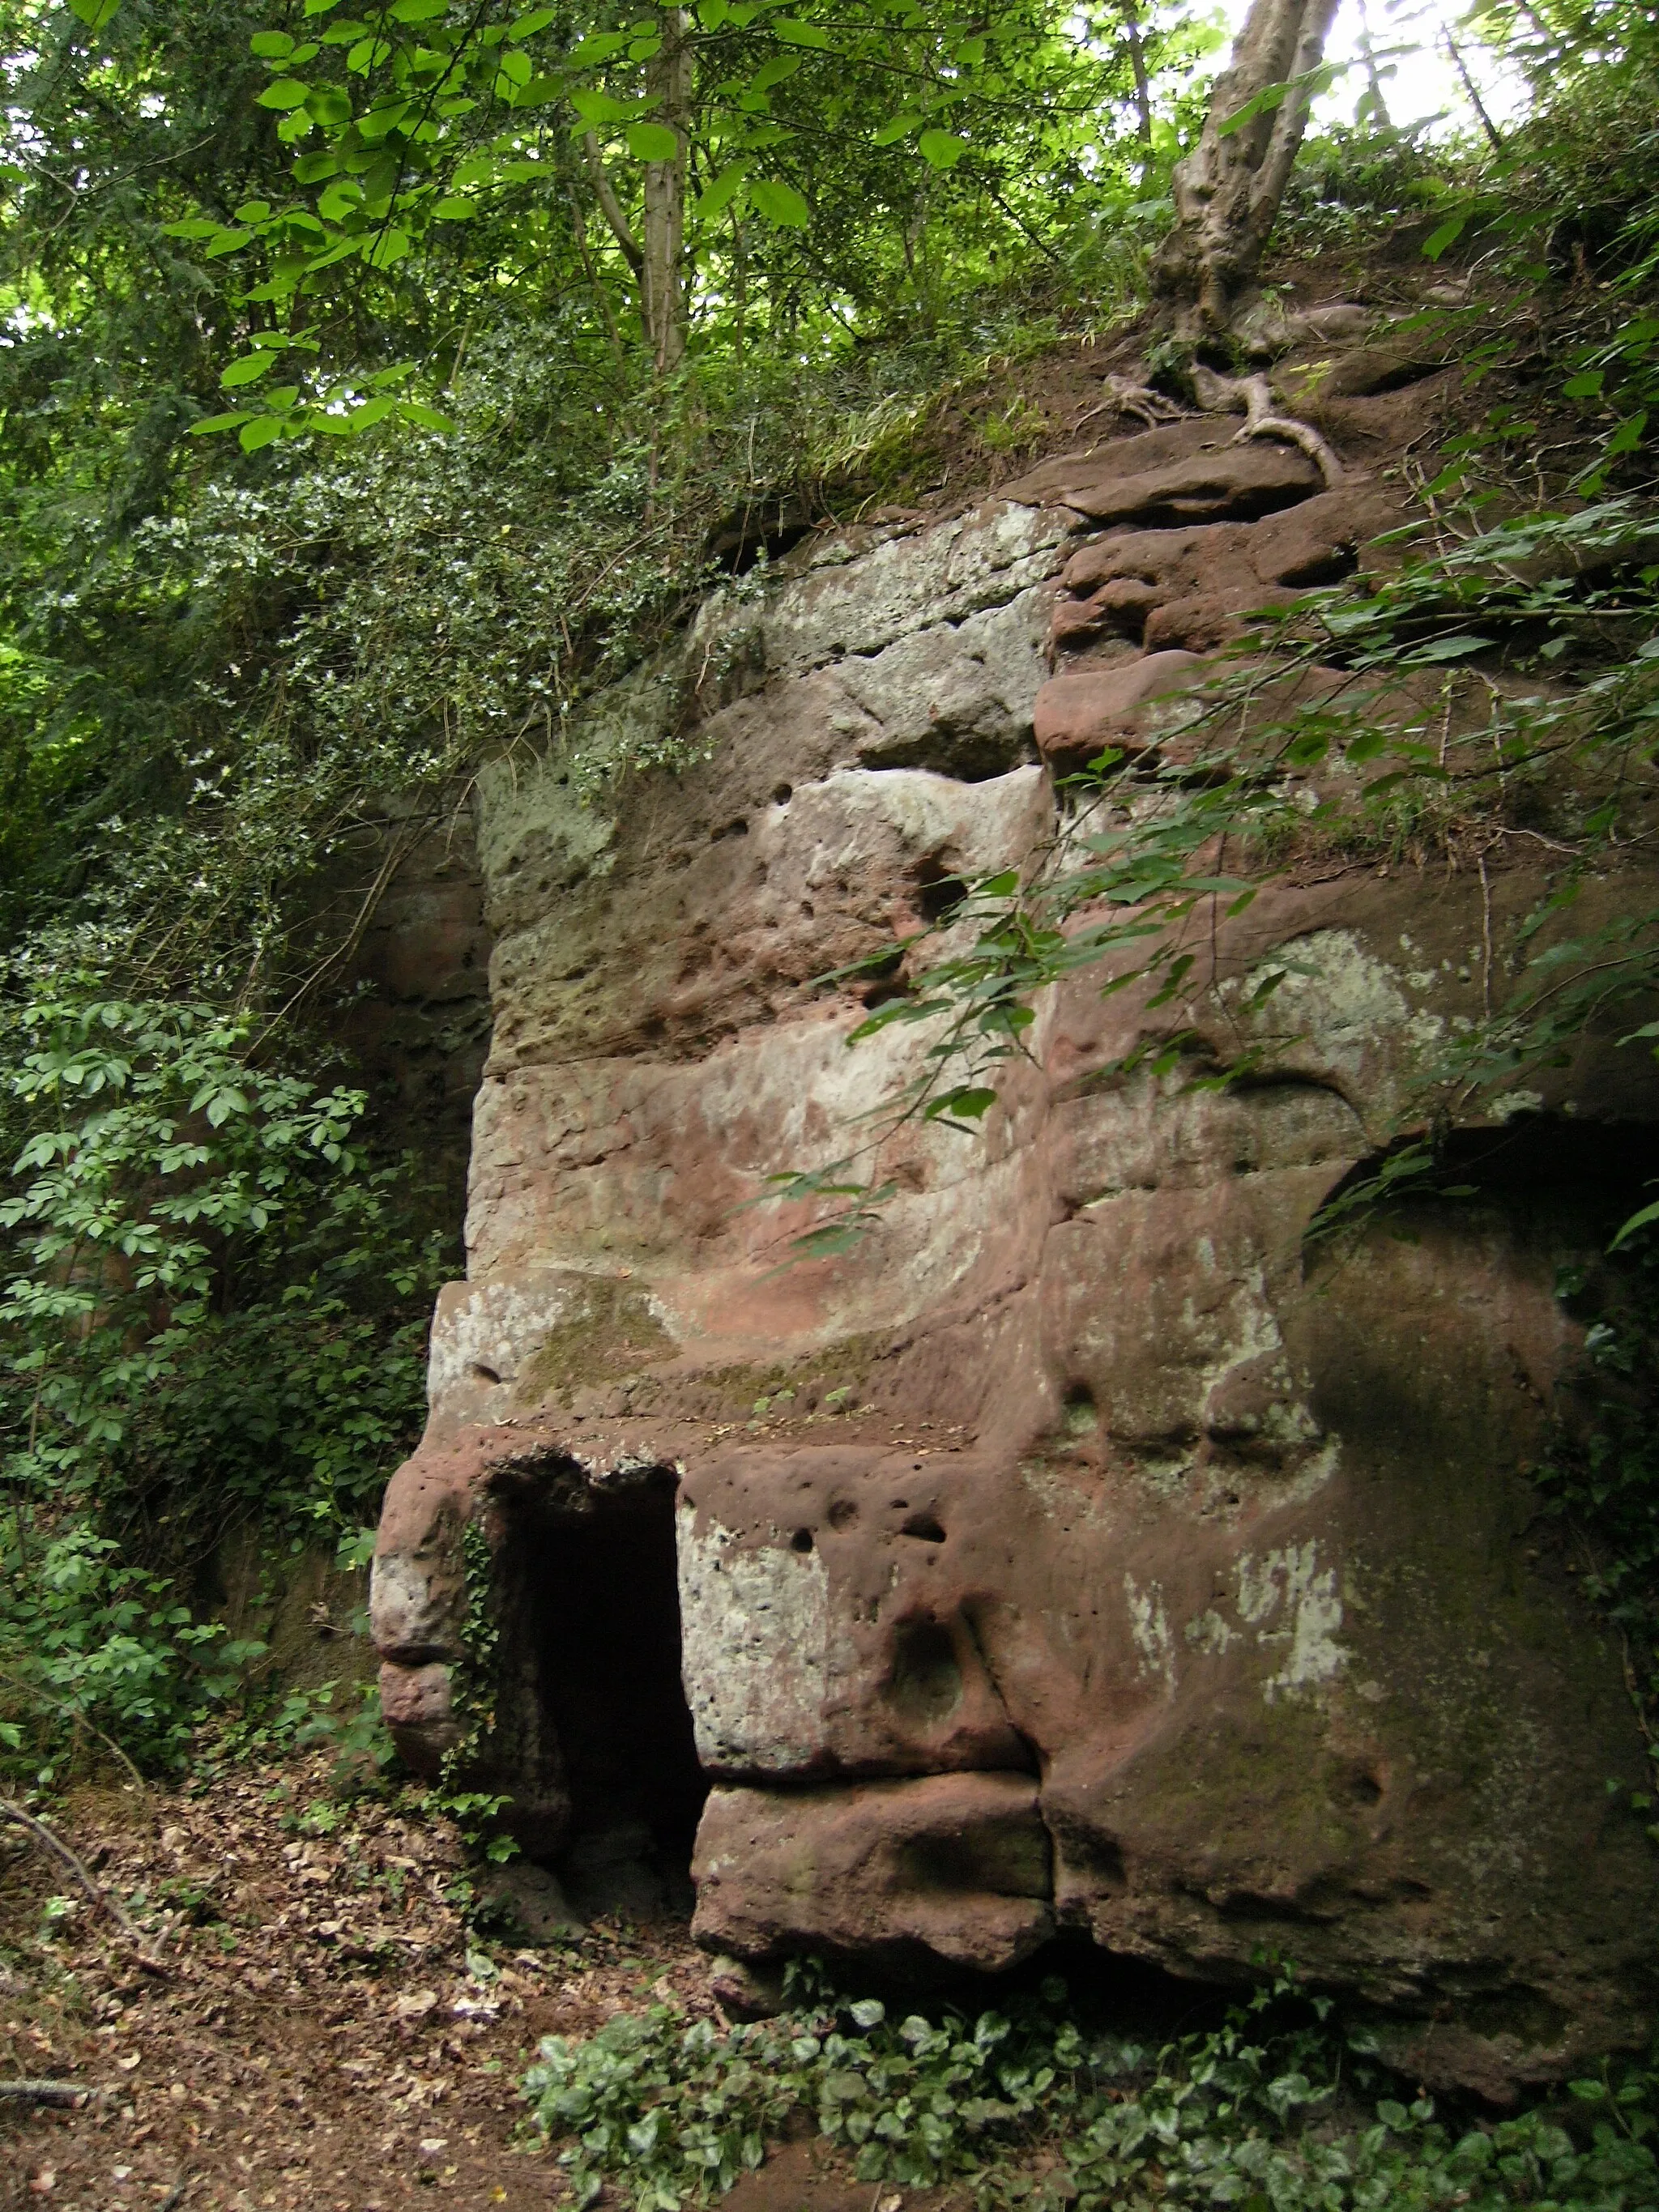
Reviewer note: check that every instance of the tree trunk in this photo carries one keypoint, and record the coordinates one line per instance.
(1228, 189)
(668, 78)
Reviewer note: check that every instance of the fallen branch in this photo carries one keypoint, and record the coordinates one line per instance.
(66, 2095)
(101, 1897)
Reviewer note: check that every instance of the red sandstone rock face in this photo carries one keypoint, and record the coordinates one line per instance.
(1082, 1552)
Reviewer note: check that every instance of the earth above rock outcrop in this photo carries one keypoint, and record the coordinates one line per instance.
(1081, 1552)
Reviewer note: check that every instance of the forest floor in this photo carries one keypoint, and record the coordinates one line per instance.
(324, 2033)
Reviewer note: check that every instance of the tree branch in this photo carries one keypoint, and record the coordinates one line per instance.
(610, 206)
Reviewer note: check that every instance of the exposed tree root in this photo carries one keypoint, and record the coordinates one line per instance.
(1253, 396)
(1125, 396)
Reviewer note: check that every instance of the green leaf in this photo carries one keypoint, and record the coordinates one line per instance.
(651, 142)
(527, 26)
(780, 67)
(599, 107)
(779, 203)
(1587, 386)
(1637, 1221)
(371, 412)
(725, 189)
(249, 369)
(900, 127)
(94, 14)
(271, 46)
(941, 149)
(197, 227)
(262, 431)
(1447, 234)
(793, 33)
(288, 92)
(428, 417)
(228, 242)
(1628, 436)
(969, 1104)
(454, 207)
(387, 247)
(1262, 103)
(210, 423)
(417, 11)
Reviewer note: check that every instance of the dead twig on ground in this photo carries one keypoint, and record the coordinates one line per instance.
(64, 2094)
(101, 1897)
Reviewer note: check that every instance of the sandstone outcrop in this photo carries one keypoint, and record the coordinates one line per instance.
(1080, 1552)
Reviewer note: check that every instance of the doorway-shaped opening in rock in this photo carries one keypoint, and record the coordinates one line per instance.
(599, 1615)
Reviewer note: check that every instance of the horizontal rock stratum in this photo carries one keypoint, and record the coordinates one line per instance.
(1077, 1553)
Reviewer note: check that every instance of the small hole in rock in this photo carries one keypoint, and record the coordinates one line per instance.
(926, 1683)
(924, 1527)
(483, 1374)
(1079, 1417)
(1367, 1788)
(801, 1540)
(939, 895)
(781, 794)
(843, 1513)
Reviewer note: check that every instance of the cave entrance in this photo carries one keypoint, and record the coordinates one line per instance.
(601, 1616)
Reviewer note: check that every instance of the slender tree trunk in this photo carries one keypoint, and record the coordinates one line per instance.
(668, 79)
(1228, 189)
(1380, 117)
(1137, 48)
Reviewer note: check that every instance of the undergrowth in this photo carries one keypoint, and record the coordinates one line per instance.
(1028, 2105)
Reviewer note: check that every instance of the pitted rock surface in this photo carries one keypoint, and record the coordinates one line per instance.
(1082, 1552)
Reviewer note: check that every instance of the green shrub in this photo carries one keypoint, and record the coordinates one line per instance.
(1031, 2107)
(211, 1311)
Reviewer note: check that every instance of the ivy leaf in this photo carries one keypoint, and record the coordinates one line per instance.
(651, 142)
(288, 92)
(941, 149)
(779, 203)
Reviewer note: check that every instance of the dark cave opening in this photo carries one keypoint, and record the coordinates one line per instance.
(600, 1619)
